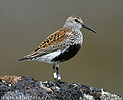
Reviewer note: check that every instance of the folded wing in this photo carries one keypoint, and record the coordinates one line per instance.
(50, 44)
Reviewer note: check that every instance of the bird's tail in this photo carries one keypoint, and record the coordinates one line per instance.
(31, 56)
(24, 59)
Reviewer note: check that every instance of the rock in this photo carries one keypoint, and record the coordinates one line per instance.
(23, 88)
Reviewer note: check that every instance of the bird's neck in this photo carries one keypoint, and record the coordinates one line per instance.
(74, 33)
(71, 26)
(73, 29)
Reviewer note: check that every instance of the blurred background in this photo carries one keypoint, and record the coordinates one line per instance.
(24, 24)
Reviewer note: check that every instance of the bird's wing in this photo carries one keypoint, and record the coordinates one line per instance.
(50, 44)
(53, 39)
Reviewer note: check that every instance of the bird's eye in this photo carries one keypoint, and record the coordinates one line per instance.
(76, 20)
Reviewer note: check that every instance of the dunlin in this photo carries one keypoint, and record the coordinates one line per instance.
(61, 45)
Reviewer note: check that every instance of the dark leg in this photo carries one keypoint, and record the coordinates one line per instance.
(54, 72)
(57, 71)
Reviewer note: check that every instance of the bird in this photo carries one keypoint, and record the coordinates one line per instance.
(61, 45)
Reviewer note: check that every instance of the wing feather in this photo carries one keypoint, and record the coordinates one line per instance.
(50, 44)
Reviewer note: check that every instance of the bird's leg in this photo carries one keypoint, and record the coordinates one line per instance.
(54, 72)
(57, 71)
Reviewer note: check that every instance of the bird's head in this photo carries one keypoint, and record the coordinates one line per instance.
(76, 22)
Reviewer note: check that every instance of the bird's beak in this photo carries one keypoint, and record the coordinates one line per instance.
(84, 26)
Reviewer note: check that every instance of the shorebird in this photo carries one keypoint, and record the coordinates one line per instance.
(60, 46)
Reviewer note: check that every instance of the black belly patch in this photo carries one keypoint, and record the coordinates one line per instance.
(69, 53)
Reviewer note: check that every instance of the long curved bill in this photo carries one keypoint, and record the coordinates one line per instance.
(84, 26)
